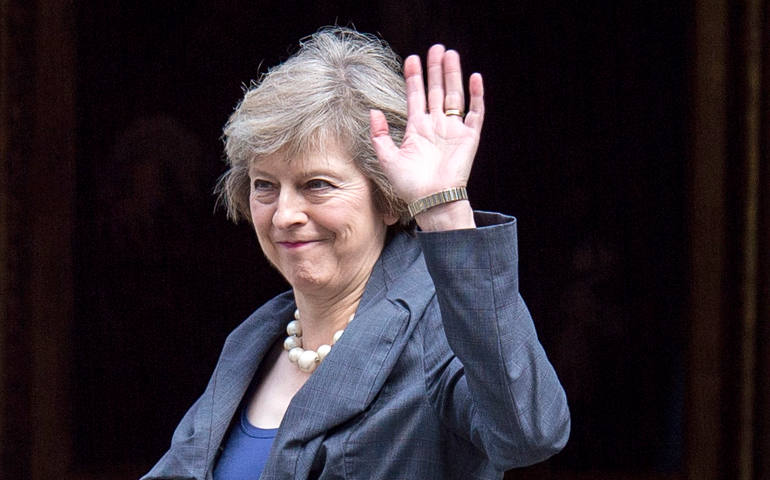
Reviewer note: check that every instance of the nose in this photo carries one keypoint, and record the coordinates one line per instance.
(289, 210)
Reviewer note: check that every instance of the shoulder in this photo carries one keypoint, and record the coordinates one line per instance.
(278, 310)
(258, 331)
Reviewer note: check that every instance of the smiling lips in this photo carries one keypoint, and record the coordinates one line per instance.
(296, 244)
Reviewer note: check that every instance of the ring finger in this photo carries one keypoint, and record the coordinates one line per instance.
(454, 95)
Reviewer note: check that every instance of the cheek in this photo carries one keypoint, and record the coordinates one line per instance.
(362, 225)
(256, 209)
(261, 218)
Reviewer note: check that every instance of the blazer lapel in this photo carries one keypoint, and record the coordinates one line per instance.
(353, 373)
(240, 358)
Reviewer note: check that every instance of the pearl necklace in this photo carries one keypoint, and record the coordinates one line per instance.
(306, 360)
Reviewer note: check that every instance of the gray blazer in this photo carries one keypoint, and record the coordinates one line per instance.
(440, 375)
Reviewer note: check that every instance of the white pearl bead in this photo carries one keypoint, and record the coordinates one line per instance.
(323, 351)
(308, 360)
(291, 342)
(293, 328)
(294, 354)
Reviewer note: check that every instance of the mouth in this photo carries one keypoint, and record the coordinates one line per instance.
(293, 245)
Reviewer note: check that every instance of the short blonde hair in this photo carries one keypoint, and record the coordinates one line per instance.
(321, 94)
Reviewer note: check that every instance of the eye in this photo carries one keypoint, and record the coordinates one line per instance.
(318, 184)
(261, 186)
(263, 191)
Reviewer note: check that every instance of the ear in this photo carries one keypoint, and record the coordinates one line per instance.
(390, 219)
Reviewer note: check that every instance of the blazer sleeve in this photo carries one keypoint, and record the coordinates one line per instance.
(496, 387)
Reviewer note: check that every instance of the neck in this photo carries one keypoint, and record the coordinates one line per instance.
(322, 316)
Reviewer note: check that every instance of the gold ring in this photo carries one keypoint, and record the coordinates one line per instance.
(453, 112)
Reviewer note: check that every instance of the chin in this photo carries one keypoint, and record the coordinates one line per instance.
(306, 280)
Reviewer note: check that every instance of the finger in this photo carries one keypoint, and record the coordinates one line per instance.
(415, 89)
(436, 79)
(475, 117)
(381, 139)
(454, 96)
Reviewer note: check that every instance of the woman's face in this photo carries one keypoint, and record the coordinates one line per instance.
(316, 220)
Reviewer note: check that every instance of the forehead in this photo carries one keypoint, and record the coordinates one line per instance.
(330, 158)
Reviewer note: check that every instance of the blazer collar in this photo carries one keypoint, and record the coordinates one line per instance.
(242, 354)
(350, 376)
(353, 373)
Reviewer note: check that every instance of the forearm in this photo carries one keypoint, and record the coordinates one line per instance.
(520, 411)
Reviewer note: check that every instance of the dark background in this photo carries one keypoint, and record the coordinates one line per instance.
(123, 280)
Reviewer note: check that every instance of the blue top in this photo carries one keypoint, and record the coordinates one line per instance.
(246, 451)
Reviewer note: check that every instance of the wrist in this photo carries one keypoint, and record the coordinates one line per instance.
(448, 216)
(452, 194)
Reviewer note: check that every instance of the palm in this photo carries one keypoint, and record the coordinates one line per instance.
(437, 150)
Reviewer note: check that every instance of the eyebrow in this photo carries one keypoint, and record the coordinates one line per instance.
(306, 173)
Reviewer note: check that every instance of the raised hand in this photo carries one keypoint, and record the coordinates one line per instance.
(439, 144)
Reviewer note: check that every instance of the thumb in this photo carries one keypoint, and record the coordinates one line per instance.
(383, 144)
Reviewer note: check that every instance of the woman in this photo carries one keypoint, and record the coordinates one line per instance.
(439, 374)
